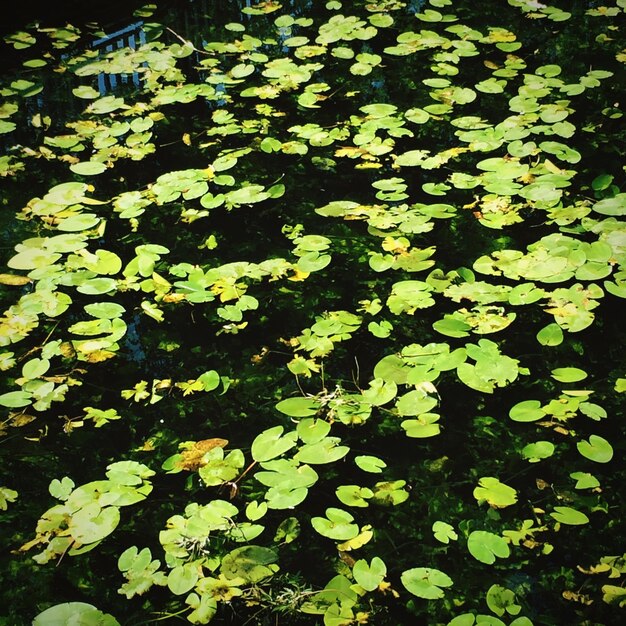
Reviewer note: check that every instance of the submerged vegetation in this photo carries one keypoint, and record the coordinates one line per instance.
(313, 315)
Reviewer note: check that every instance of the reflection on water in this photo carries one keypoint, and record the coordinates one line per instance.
(131, 36)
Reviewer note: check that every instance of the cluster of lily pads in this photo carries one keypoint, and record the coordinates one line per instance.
(482, 135)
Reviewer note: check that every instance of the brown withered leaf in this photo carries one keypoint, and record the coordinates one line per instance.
(98, 356)
(192, 457)
(21, 419)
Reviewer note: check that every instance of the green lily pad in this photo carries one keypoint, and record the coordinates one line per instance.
(486, 546)
(271, 443)
(585, 480)
(527, 411)
(299, 407)
(444, 532)
(614, 206)
(78, 222)
(534, 452)
(353, 495)
(550, 335)
(495, 493)
(88, 168)
(369, 575)
(79, 613)
(370, 464)
(569, 516)
(15, 399)
(338, 524)
(596, 449)
(568, 374)
(426, 582)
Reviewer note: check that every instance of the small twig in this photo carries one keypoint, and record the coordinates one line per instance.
(186, 42)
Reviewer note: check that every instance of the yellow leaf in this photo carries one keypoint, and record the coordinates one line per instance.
(572, 596)
(187, 139)
(356, 542)
(390, 244)
(385, 587)
(551, 167)
(14, 280)
(99, 356)
(299, 275)
(148, 446)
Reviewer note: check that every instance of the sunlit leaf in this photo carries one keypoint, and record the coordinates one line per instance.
(444, 532)
(74, 613)
(495, 493)
(596, 449)
(271, 443)
(569, 516)
(369, 575)
(486, 546)
(534, 452)
(568, 374)
(426, 582)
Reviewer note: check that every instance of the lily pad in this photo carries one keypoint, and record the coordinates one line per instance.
(486, 546)
(426, 582)
(568, 515)
(88, 168)
(568, 374)
(596, 449)
(495, 493)
(534, 452)
(614, 206)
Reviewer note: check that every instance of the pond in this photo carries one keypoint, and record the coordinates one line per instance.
(313, 313)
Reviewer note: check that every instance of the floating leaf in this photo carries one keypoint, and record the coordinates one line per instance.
(369, 575)
(182, 578)
(79, 613)
(336, 525)
(444, 532)
(14, 280)
(569, 516)
(16, 399)
(550, 335)
(88, 168)
(568, 374)
(486, 547)
(584, 480)
(370, 464)
(92, 523)
(425, 426)
(426, 582)
(252, 563)
(614, 206)
(495, 493)
(597, 449)
(298, 407)
(271, 443)
(502, 600)
(78, 222)
(327, 450)
(353, 495)
(537, 451)
(527, 411)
